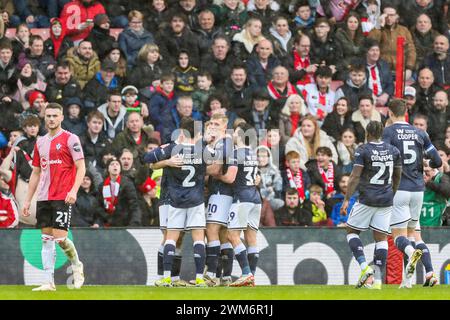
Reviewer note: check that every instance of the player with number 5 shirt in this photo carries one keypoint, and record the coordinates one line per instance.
(414, 145)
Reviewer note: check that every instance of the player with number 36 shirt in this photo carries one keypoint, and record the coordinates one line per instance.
(245, 212)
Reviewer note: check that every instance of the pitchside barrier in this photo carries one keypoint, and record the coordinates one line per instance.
(288, 256)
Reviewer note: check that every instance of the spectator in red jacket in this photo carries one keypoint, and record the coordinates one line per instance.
(78, 18)
(9, 213)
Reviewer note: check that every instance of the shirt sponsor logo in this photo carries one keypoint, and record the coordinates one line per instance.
(45, 162)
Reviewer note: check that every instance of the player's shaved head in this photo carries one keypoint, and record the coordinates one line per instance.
(374, 130)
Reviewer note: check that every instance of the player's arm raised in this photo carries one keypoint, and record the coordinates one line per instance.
(32, 186)
(229, 176)
(71, 197)
(353, 182)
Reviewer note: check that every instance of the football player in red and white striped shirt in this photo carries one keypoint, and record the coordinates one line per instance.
(58, 171)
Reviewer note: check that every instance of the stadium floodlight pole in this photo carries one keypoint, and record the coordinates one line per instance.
(400, 68)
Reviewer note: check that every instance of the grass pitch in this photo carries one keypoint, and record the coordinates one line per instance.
(299, 292)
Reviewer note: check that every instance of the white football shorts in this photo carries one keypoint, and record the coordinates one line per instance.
(243, 215)
(406, 211)
(218, 209)
(163, 214)
(186, 218)
(363, 217)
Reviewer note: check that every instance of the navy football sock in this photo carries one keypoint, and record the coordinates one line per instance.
(161, 261)
(379, 259)
(253, 256)
(176, 266)
(241, 256)
(357, 249)
(169, 253)
(426, 256)
(227, 262)
(404, 245)
(199, 258)
(212, 257)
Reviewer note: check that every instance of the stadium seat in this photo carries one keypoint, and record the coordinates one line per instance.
(45, 32)
(336, 84)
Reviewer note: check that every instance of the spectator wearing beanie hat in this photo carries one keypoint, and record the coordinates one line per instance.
(57, 44)
(74, 119)
(37, 102)
(97, 89)
(130, 95)
(148, 202)
(116, 55)
(28, 80)
(101, 41)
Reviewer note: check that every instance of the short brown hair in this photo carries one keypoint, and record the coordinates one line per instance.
(95, 114)
(324, 150)
(397, 107)
(292, 155)
(31, 121)
(5, 43)
(54, 105)
(33, 38)
(315, 188)
(167, 77)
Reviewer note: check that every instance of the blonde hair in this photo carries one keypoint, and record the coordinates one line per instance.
(312, 147)
(247, 36)
(286, 110)
(135, 14)
(219, 116)
(146, 49)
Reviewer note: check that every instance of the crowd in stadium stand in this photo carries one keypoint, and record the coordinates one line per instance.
(307, 75)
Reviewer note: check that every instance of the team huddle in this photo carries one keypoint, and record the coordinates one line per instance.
(388, 174)
(234, 202)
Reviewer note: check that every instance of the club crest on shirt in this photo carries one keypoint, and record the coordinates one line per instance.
(58, 146)
(44, 163)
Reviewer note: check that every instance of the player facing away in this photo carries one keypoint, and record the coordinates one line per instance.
(219, 203)
(185, 187)
(245, 211)
(58, 170)
(152, 158)
(413, 144)
(376, 174)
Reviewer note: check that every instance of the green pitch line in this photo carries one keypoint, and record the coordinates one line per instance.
(300, 292)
